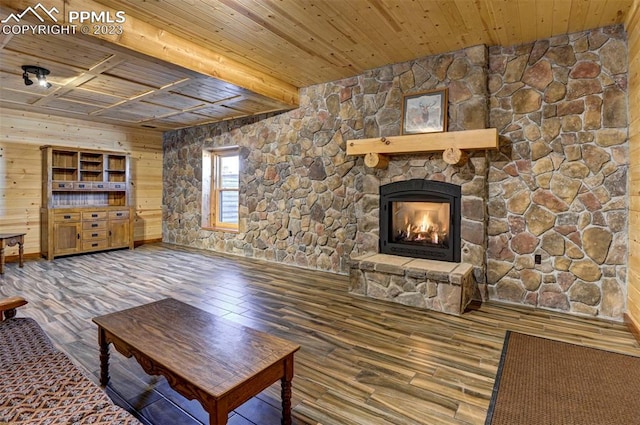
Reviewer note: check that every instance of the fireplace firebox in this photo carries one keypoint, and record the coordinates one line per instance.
(420, 218)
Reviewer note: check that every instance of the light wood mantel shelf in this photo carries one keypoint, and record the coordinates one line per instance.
(376, 149)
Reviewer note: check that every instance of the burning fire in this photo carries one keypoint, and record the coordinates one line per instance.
(424, 223)
(425, 231)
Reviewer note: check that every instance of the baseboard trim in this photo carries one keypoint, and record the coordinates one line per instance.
(146, 241)
(36, 255)
(26, 257)
(633, 326)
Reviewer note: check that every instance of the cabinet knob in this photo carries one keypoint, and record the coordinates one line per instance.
(94, 224)
(94, 215)
(67, 217)
(78, 235)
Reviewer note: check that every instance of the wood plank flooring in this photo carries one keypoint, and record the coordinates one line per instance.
(362, 361)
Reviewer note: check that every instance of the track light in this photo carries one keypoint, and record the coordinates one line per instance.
(39, 72)
(27, 81)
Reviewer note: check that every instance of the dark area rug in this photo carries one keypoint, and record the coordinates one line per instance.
(541, 381)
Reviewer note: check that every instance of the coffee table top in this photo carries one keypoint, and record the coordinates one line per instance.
(210, 352)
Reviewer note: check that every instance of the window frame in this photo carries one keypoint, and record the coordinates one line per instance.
(211, 188)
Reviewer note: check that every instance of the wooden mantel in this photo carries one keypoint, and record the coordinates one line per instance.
(377, 148)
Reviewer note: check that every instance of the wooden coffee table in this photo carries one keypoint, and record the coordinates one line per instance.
(218, 362)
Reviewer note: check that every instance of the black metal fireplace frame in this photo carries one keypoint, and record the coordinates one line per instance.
(421, 190)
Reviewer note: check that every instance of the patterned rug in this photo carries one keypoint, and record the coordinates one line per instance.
(41, 386)
(541, 381)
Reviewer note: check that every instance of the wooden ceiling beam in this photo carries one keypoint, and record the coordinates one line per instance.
(150, 40)
(145, 38)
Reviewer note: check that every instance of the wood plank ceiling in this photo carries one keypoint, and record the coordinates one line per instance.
(182, 63)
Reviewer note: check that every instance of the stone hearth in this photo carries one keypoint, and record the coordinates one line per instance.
(434, 285)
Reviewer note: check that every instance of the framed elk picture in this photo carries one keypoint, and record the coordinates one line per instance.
(425, 112)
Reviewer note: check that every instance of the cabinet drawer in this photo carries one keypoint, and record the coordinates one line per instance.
(118, 186)
(95, 244)
(93, 215)
(82, 186)
(62, 185)
(94, 225)
(115, 215)
(88, 235)
(62, 217)
(99, 185)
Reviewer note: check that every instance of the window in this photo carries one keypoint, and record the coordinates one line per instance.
(220, 184)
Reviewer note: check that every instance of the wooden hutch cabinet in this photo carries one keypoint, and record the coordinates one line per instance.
(86, 201)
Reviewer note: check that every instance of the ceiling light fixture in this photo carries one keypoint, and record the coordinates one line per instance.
(39, 72)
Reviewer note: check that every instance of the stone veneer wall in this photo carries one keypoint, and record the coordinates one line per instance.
(303, 201)
(558, 187)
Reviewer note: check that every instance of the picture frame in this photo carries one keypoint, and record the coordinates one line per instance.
(425, 112)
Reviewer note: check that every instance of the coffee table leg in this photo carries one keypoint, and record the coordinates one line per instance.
(104, 357)
(286, 390)
(219, 416)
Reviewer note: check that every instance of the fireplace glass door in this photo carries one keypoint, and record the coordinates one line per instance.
(421, 219)
(421, 223)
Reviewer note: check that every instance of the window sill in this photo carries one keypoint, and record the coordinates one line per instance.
(221, 229)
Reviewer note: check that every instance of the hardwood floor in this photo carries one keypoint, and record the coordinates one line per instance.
(362, 361)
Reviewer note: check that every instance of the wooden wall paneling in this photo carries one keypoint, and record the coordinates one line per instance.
(544, 23)
(595, 14)
(21, 168)
(579, 12)
(148, 225)
(634, 256)
(528, 27)
(634, 143)
(561, 11)
(631, 17)
(20, 193)
(634, 206)
(37, 129)
(498, 18)
(512, 21)
(633, 277)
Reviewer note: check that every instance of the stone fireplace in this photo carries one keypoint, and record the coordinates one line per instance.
(425, 256)
(420, 218)
(431, 265)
